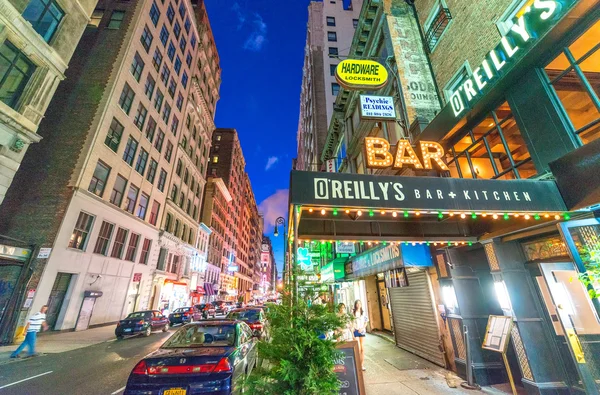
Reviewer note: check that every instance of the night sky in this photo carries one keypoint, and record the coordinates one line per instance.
(261, 49)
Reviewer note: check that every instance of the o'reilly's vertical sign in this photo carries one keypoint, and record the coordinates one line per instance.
(527, 28)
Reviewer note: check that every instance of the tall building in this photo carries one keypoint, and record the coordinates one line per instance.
(268, 267)
(37, 40)
(329, 33)
(112, 136)
(227, 162)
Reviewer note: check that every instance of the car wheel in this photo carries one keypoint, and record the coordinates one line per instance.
(166, 328)
(119, 337)
(148, 331)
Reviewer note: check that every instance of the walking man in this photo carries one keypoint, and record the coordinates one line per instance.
(34, 325)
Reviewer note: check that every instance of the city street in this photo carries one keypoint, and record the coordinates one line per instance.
(99, 369)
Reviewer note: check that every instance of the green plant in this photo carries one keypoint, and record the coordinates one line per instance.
(297, 360)
(590, 255)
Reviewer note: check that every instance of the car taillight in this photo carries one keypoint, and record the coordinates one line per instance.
(119, 323)
(223, 366)
(140, 368)
(141, 322)
(187, 313)
(255, 326)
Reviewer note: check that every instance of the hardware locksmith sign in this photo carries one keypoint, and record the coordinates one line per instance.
(423, 193)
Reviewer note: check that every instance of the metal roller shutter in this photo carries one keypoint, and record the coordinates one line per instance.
(415, 324)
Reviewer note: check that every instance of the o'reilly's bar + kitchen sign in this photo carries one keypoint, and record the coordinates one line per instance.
(429, 193)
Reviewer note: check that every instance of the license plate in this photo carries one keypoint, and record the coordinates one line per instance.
(175, 391)
(127, 330)
(177, 315)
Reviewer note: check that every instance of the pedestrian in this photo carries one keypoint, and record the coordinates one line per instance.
(360, 329)
(345, 332)
(36, 323)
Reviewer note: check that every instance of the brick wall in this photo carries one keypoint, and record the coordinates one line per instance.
(471, 34)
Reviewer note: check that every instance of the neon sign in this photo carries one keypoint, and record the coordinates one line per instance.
(380, 157)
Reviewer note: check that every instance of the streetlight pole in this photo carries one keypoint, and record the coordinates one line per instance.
(281, 221)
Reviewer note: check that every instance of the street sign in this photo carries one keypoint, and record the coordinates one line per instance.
(44, 253)
(137, 277)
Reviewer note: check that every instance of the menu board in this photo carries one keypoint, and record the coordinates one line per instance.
(348, 371)
(497, 334)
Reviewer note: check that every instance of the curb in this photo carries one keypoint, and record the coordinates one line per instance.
(384, 337)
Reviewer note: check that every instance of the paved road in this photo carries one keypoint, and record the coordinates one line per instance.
(100, 369)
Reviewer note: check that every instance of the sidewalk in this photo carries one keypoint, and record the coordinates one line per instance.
(393, 371)
(53, 343)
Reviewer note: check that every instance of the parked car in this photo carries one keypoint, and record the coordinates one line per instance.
(183, 315)
(254, 317)
(206, 357)
(207, 309)
(221, 307)
(142, 322)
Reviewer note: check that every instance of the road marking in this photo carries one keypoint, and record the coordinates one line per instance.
(118, 391)
(20, 381)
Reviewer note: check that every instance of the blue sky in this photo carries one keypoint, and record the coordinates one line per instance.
(261, 49)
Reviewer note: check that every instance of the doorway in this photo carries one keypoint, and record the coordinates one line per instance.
(57, 297)
(384, 308)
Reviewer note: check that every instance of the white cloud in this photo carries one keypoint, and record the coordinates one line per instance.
(240, 15)
(270, 162)
(257, 38)
(273, 207)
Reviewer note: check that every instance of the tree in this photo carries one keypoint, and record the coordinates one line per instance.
(298, 361)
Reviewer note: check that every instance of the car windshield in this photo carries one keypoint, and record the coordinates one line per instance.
(181, 310)
(202, 336)
(245, 315)
(140, 314)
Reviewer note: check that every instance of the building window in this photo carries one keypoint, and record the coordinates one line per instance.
(193, 41)
(113, 137)
(140, 116)
(184, 79)
(165, 74)
(182, 44)
(179, 167)
(126, 99)
(116, 18)
(493, 149)
(171, 51)
(166, 113)
(81, 231)
(218, 137)
(170, 13)
(15, 71)
(436, 24)
(99, 178)
(145, 251)
(169, 151)
(187, 25)
(182, 10)
(132, 195)
(130, 150)
(154, 14)
(573, 75)
(96, 18)
(168, 222)
(330, 21)
(177, 65)
(457, 80)
(119, 244)
(150, 129)
(159, 140)
(333, 51)
(103, 240)
(172, 88)
(116, 196)
(132, 246)
(158, 100)
(157, 59)
(137, 66)
(174, 193)
(149, 87)
(176, 228)
(186, 176)
(151, 175)
(140, 165)
(188, 59)
(335, 88)
(177, 29)
(154, 212)
(332, 69)
(331, 36)
(146, 39)
(355, 23)
(161, 180)
(44, 16)
(179, 102)
(215, 159)
(174, 125)
(164, 35)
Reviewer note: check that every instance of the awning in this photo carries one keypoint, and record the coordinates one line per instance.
(209, 288)
(199, 290)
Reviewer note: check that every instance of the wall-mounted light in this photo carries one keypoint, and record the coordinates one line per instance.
(502, 295)
(449, 297)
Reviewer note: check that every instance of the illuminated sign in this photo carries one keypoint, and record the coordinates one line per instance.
(380, 157)
(303, 258)
(361, 74)
(377, 107)
(521, 33)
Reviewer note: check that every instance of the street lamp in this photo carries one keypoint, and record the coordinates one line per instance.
(281, 221)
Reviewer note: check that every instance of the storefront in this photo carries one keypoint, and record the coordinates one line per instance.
(12, 261)
(229, 288)
(174, 294)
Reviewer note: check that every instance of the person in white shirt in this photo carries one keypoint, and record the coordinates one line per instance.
(360, 329)
(36, 323)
